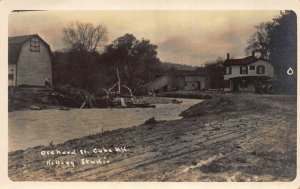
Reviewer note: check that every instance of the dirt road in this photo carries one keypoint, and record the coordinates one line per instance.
(227, 138)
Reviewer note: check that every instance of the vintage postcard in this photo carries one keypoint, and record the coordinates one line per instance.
(152, 95)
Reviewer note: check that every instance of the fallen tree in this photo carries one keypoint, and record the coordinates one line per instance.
(72, 97)
(122, 99)
(79, 98)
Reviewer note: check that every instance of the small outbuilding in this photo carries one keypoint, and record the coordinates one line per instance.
(182, 80)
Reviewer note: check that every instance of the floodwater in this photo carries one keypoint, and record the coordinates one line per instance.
(32, 128)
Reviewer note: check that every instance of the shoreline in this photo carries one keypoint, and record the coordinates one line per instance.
(208, 144)
(142, 99)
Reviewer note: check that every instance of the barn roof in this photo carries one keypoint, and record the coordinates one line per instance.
(20, 39)
(199, 72)
(15, 44)
(242, 61)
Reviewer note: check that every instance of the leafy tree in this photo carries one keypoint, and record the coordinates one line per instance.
(68, 70)
(215, 71)
(283, 47)
(259, 42)
(132, 57)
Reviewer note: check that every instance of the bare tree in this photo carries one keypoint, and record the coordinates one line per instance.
(82, 40)
(87, 37)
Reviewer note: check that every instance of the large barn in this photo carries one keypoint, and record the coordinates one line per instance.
(29, 61)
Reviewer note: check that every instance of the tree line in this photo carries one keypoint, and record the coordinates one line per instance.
(82, 66)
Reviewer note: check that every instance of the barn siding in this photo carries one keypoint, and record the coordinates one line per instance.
(195, 80)
(176, 83)
(33, 67)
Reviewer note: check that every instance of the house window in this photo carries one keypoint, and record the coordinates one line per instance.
(243, 70)
(10, 76)
(243, 84)
(252, 67)
(260, 70)
(228, 70)
(34, 45)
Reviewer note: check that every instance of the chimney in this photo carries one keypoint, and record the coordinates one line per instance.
(228, 56)
(253, 53)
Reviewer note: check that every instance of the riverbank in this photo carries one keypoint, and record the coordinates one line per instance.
(188, 94)
(39, 98)
(226, 138)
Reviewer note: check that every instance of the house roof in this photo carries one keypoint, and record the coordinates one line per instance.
(15, 45)
(198, 72)
(242, 61)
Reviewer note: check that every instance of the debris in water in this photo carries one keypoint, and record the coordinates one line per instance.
(35, 108)
(151, 121)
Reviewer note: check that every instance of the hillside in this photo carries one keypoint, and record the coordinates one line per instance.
(169, 65)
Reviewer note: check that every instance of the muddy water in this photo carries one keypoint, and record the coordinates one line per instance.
(32, 128)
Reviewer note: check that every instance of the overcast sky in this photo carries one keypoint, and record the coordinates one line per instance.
(186, 37)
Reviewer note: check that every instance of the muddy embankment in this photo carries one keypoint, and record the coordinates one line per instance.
(226, 138)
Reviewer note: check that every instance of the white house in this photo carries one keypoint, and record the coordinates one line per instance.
(29, 61)
(246, 74)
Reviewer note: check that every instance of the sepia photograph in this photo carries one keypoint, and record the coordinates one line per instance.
(152, 95)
